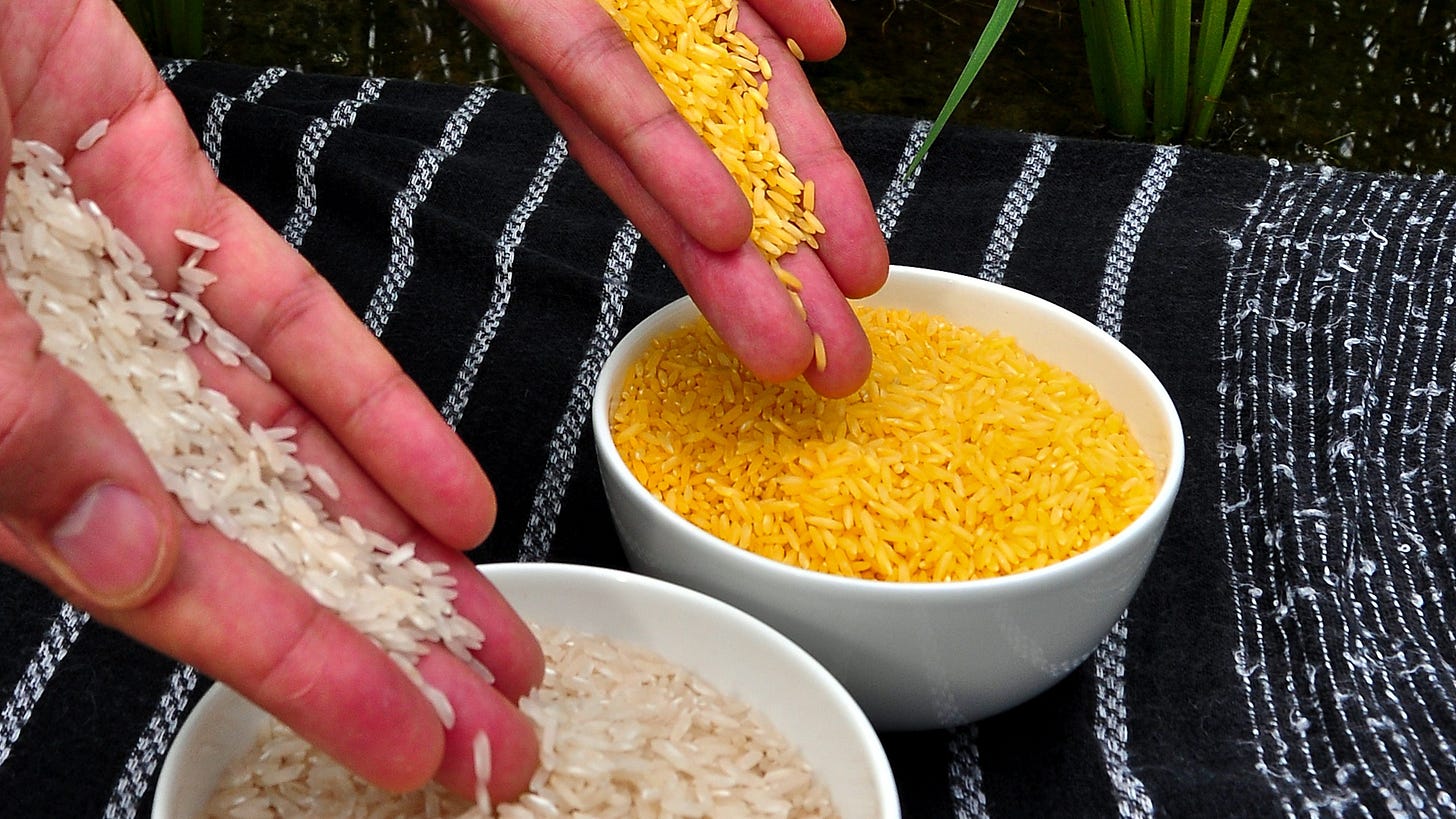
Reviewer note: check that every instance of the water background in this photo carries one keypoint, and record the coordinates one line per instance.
(1365, 85)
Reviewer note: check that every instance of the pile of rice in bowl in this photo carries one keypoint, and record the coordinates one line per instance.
(963, 456)
(624, 733)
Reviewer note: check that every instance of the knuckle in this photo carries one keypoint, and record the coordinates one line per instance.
(296, 310)
(394, 386)
(581, 60)
(291, 673)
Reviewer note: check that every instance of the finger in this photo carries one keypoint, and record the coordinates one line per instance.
(480, 708)
(315, 673)
(737, 292)
(574, 49)
(814, 24)
(853, 246)
(299, 663)
(846, 358)
(509, 650)
(508, 647)
(75, 488)
(357, 412)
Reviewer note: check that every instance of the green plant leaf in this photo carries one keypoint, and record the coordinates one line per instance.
(183, 27)
(1113, 53)
(1170, 92)
(1143, 17)
(1210, 42)
(1000, 16)
(1211, 95)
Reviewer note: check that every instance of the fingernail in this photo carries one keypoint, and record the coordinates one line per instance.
(109, 543)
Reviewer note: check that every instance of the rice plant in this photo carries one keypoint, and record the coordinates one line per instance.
(170, 27)
(1151, 77)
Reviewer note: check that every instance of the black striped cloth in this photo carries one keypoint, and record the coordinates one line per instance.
(1291, 652)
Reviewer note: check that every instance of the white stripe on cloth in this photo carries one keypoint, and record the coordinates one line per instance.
(1341, 622)
(966, 789)
(1015, 207)
(1110, 714)
(968, 795)
(222, 104)
(1387, 612)
(62, 634)
(902, 184)
(1239, 502)
(1274, 412)
(409, 198)
(500, 296)
(561, 458)
(305, 169)
(1129, 233)
(151, 747)
(1335, 629)
(174, 69)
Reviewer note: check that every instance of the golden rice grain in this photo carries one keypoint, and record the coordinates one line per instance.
(963, 456)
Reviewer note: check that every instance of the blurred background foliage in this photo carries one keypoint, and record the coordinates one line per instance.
(1362, 84)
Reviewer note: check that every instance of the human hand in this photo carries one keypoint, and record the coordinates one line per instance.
(628, 137)
(85, 513)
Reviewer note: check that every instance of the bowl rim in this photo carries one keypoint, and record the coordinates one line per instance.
(1069, 569)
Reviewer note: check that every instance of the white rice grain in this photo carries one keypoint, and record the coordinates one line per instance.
(324, 482)
(604, 717)
(92, 135)
(480, 749)
(196, 240)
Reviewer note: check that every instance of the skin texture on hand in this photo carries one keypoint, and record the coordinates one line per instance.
(626, 134)
(73, 482)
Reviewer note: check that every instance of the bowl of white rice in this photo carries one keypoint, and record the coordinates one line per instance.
(950, 541)
(723, 715)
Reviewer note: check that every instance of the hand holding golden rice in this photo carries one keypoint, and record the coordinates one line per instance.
(718, 80)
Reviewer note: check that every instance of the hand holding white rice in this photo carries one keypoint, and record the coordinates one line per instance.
(105, 317)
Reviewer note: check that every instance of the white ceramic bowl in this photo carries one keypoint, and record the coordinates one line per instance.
(924, 655)
(735, 652)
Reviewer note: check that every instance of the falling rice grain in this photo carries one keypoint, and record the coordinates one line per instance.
(200, 241)
(481, 752)
(92, 135)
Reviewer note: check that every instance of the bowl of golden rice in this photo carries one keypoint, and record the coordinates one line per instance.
(950, 541)
(702, 710)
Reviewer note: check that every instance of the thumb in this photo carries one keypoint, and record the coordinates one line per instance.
(85, 509)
